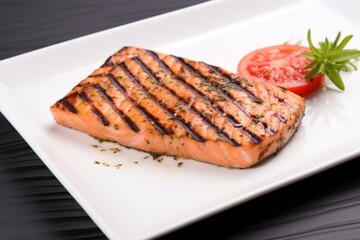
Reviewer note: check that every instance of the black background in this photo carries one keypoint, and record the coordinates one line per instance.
(34, 205)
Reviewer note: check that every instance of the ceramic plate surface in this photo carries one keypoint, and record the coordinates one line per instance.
(145, 198)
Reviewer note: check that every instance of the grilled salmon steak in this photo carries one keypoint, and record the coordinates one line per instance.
(170, 105)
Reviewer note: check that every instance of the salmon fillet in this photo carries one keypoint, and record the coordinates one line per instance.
(170, 105)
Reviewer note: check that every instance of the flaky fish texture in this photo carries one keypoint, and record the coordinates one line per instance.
(165, 104)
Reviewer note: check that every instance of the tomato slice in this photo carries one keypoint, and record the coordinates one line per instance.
(281, 65)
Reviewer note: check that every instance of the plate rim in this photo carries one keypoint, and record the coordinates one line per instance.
(4, 108)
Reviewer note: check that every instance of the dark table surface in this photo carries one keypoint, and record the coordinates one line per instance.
(34, 205)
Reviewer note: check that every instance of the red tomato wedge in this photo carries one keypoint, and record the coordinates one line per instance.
(281, 65)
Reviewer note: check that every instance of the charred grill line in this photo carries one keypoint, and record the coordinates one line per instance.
(253, 137)
(182, 123)
(281, 118)
(177, 77)
(268, 129)
(281, 101)
(198, 94)
(214, 69)
(230, 79)
(96, 111)
(110, 101)
(223, 94)
(157, 59)
(193, 110)
(68, 105)
(143, 111)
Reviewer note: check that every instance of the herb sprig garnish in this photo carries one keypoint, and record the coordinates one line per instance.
(331, 58)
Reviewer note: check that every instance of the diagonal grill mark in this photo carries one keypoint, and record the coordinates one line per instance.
(183, 102)
(162, 105)
(269, 130)
(254, 138)
(197, 93)
(217, 71)
(177, 77)
(224, 94)
(68, 105)
(281, 118)
(143, 111)
(96, 111)
(172, 114)
(281, 101)
(110, 101)
(228, 78)
(134, 80)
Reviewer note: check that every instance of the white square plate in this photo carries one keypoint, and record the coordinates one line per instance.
(148, 198)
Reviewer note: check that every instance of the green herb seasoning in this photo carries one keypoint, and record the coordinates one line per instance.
(99, 140)
(254, 121)
(115, 150)
(330, 58)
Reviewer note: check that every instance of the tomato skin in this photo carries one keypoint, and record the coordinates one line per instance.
(281, 65)
(313, 84)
